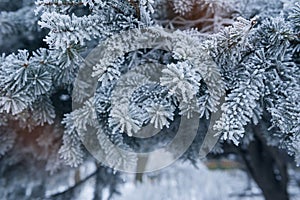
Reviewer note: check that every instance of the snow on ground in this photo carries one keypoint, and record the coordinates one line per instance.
(185, 182)
(182, 181)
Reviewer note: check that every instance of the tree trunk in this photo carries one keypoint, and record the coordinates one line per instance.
(267, 166)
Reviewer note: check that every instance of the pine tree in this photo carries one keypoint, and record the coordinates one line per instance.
(253, 45)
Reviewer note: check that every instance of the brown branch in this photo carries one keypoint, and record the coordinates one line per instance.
(61, 4)
(136, 6)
